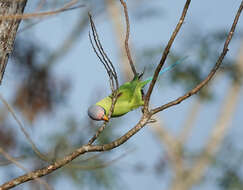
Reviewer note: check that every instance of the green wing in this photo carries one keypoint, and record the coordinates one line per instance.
(130, 98)
(130, 95)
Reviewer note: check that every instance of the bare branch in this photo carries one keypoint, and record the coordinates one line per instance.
(110, 69)
(82, 150)
(40, 5)
(164, 56)
(169, 141)
(127, 38)
(189, 123)
(7, 162)
(115, 12)
(8, 30)
(35, 149)
(172, 145)
(220, 128)
(104, 59)
(101, 165)
(199, 168)
(14, 161)
(212, 72)
(65, 47)
(11, 12)
(66, 7)
(99, 131)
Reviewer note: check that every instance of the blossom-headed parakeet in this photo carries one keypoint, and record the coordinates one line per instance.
(130, 97)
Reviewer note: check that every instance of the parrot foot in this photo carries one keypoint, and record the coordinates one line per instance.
(119, 94)
(141, 74)
(142, 109)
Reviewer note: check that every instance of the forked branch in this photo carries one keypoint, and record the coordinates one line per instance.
(127, 38)
(165, 54)
(11, 12)
(100, 53)
(110, 69)
(67, 7)
(21, 126)
(212, 72)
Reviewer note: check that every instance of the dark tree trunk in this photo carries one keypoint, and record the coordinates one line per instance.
(8, 29)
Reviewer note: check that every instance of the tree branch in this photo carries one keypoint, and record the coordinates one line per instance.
(8, 30)
(115, 14)
(165, 53)
(172, 146)
(71, 39)
(19, 16)
(212, 72)
(127, 38)
(189, 123)
(101, 54)
(21, 126)
(110, 69)
(11, 13)
(14, 161)
(82, 150)
(222, 125)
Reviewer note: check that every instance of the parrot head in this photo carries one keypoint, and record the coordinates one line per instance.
(96, 112)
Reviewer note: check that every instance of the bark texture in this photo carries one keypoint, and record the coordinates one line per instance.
(8, 29)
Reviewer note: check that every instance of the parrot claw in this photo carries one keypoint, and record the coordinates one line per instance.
(141, 74)
(142, 109)
(120, 93)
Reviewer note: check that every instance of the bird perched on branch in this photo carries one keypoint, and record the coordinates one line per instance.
(130, 97)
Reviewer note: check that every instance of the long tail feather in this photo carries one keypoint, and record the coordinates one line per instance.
(167, 69)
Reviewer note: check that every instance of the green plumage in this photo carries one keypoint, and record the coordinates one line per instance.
(129, 98)
(129, 95)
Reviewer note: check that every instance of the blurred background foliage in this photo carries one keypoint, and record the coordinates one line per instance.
(39, 92)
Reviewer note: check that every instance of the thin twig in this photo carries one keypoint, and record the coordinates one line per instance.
(231, 100)
(67, 159)
(110, 69)
(14, 161)
(101, 165)
(104, 59)
(21, 126)
(66, 43)
(172, 145)
(72, 38)
(7, 162)
(66, 7)
(95, 156)
(40, 5)
(8, 30)
(189, 123)
(127, 38)
(222, 124)
(165, 53)
(212, 72)
(114, 11)
(99, 131)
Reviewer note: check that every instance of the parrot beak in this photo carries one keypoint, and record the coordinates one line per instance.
(105, 118)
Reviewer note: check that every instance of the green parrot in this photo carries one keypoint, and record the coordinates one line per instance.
(130, 97)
